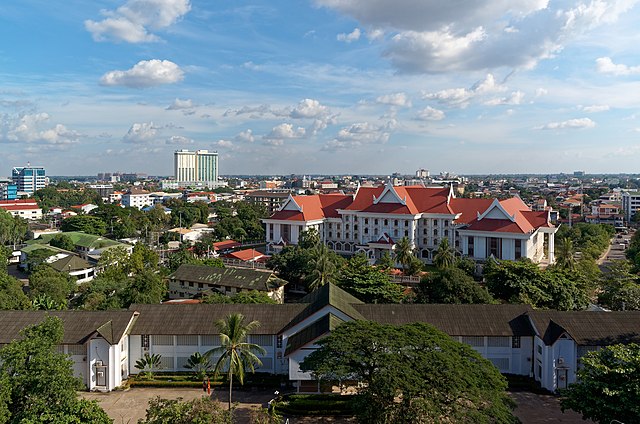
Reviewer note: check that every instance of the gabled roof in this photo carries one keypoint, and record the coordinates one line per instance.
(201, 319)
(79, 326)
(225, 244)
(509, 216)
(327, 295)
(245, 255)
(80, 238)
(312, 208)
(70, 263)
(591, 328)
(455, 320)
(401, 200)
(312, 332)
(248, 279)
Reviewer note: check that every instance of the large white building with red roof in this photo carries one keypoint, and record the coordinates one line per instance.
(373, 219)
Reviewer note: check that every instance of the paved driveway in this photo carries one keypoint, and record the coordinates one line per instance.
(126, 407)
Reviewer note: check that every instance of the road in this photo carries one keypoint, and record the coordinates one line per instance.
(616, 251)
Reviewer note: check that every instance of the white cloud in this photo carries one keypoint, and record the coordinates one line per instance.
(179, 104)
(225, 144)
(178, 139)
(245, 136)
(430, 114)
(515, 98)
(282, 132)
(144, 132)
(396, 99)
(348, 38)
(133, 21)
(361, 133)
(461, 97)
(309, 108)
(32, 128)
(605, 65)
(595, 108)
(434, 36)
(375, 34)
(569, 124)
(146, 73)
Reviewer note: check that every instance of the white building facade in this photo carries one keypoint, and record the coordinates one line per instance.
(200, 166)
(376, 217)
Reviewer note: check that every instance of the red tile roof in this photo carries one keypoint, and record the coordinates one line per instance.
(245, 255)
(226, 244)
(314, 207)
(417, 199)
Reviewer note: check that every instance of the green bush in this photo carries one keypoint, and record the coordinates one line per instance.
(315, 405)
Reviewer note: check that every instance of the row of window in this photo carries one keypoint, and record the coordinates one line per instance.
(205, 340)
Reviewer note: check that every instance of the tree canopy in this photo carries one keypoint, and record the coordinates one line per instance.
(176, 411)
(608, 385)
(368, 283)
(451, 285)
(37, 383)
(87, 223)
(411, 373)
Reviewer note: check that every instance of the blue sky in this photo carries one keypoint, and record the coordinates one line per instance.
(321, 86)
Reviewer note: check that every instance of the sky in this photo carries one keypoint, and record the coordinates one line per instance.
(321, 86)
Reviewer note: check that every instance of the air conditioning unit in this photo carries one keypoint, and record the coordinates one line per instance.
(560, 361)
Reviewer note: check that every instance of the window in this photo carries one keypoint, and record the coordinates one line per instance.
(375, 221)
(162, 341)
(515, 342)
(395, 233)
(498, 341)
(261, 339)
(366, 230)
(355, 227)
(366, 220)
(475, 341)
(446, 233)
(446, 223)
(279, 342)
(495, 247)
(406, 223)
(435, 222)
(518, 249)
(470, 246)
(539, 348)
(386, 222)
(338, 234)
(435, 231)
(187, 340)
(346, 227)
(210, 340)
(395, 222)
(406, 233)
(424, 231)
(330, 235)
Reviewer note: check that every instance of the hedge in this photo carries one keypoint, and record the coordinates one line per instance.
(315, 405)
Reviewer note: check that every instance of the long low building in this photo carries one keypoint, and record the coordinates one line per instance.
(546, 345)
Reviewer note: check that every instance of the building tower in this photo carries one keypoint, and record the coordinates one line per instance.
(200, 166)
(29, 178)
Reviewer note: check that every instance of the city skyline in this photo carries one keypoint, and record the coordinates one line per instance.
(323, 86)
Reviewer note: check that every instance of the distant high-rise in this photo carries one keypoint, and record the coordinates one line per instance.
(200, 166)
(29, 178)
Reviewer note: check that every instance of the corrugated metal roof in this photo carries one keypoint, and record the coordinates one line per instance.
(455, 320)
(78, 325)
(230, 277)
(200, 319)
(312, 332)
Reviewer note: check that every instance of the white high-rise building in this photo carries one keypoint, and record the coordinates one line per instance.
(29, 178)
(200, 167)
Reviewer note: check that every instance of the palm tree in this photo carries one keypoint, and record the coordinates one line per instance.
(200, 364)
(444, 257)
(565, 255)
(236, 354)
(148, 363)
(323, 269)
(403, 253)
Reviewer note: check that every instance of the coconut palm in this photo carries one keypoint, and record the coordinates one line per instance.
(403, 253)
(236, 355)
(444, 257)
(322, 267)
(565, 258)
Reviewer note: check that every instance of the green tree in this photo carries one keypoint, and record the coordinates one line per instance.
(176, 411)
(252, 296)
(236, 354)
(565, 258)
(451, 285)
(620, 288)
(142, 258)
(199, 364)
(403, 253)
(445, 256)
(46, 303)
(291, 264)
(106, 291)
(63, 241)
(179, 257)
(607, 388)
(38, 385)
(12, 229)
(146, 287)
(368, 283)
(322, 267)
(58, 286)
(149, 364)
(11, 294)
(385, 262)
(411, 373)
(309, 239)
(37, 257)
(87, 223)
